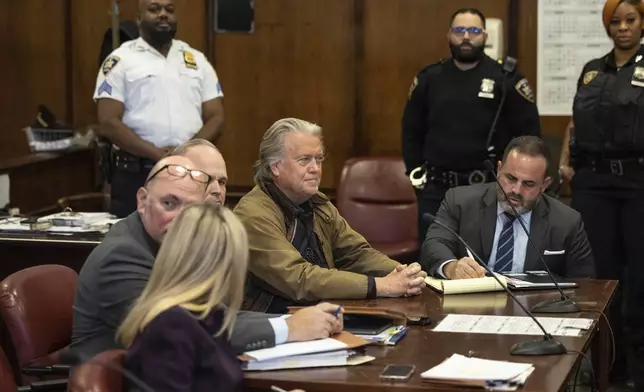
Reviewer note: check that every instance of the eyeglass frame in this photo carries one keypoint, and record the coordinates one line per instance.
(472, 30)
(187, 171)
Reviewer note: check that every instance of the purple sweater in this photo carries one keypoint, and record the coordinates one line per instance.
(177, 352)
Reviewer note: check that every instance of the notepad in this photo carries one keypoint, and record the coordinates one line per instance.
(491, 375)
(334, 351)
(462, 286)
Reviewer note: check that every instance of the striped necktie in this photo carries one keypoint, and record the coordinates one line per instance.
(505, 246)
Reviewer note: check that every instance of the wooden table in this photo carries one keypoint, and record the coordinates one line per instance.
(424, 348)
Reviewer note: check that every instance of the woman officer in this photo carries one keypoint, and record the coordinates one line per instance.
(603, 156)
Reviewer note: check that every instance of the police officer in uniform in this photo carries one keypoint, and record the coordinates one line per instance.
(603, 154)
(154, 94)
(461, 112)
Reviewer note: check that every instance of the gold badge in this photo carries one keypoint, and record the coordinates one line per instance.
(487, 89)
(109, 63)
(589, 76)
(414, 83)
(524, 89)
(189, 60)
(638, 77)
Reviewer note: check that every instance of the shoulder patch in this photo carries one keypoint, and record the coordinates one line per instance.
(109, 63)
(414, 83)
(524, 89)
(589, 76)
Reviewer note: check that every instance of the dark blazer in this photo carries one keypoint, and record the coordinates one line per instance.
(115, 274)
(177, 352)
(471, 211)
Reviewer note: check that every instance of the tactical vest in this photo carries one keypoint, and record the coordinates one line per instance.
(608, 112)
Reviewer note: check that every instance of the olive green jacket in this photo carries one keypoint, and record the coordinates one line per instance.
(277, 268)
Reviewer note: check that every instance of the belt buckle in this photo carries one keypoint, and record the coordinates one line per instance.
(616, 167)
(476, 177)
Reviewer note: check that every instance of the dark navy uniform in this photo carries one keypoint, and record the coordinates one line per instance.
(447, 122)
(607, 153)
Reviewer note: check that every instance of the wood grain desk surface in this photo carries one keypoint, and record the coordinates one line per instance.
(424, 348)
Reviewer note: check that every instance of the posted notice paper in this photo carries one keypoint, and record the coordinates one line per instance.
(513, 325)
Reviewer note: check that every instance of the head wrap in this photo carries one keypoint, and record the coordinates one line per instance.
(609, 10)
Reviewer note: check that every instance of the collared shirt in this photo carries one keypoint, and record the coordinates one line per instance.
(520, 239)
(163, 96)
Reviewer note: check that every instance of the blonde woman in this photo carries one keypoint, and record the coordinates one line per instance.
(177, 333)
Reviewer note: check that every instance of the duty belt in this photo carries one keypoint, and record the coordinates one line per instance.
(616, 167)
(453, 178)
(131, 163)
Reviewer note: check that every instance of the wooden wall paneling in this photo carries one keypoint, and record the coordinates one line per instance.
(400, 37)
(299, 62)
(33, 69)
(90, 20)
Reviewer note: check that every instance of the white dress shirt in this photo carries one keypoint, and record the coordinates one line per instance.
(520, 241)
(163, 96)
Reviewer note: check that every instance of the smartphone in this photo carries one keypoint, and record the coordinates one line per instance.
(417, 320)
(397, 372)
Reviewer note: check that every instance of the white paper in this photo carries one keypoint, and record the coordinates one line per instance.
(570, 33)
(297, 348)
(459, 367)
(4, 190)
(513, 325)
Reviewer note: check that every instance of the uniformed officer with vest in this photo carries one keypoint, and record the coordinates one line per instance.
(461, 112)
(603, 154)
(153, 94)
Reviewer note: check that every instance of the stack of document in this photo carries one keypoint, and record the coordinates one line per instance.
(335, 351)
(462, 286)
(388, 337)
(459, 370)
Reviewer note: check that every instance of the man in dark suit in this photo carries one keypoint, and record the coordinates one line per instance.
(482, 216)
(118, 270)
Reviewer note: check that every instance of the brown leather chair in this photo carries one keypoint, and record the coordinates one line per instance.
(379, 202)
(99, 373)
(36, 307)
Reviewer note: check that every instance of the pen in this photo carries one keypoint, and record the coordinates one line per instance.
(277, 389)
(470, 254)
(337, 311)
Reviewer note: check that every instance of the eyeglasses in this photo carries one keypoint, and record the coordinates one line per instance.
(460, 30)
(306, 160)
(180, 171)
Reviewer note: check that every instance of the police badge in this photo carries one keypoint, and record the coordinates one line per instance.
(638, 77)
(487, 89)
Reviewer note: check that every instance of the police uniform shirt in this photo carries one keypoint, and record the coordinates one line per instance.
(606, 64)
(163, 96)
(449, 113)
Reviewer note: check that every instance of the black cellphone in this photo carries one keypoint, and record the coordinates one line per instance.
(397, 372)
(416, 320)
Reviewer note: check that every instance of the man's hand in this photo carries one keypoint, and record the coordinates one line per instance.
(566, 172)
(403, 280)
(314, 322)
(465, 268)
